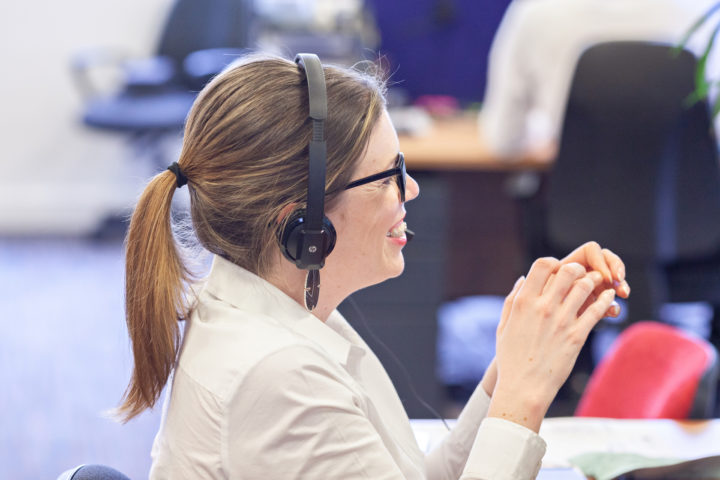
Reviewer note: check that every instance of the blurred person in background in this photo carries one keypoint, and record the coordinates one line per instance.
(533, 56)
(267, 383)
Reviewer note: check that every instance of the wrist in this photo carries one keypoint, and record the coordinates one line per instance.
(519, 405)
(489, 379)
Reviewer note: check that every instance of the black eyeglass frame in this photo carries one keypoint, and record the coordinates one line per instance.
(400, 176)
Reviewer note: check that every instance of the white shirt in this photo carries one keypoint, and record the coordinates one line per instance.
(263, 389)
(538, 44)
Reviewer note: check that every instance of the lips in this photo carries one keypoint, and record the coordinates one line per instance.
(398, 231)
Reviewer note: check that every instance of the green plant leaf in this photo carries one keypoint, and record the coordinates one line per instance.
(702, 87)
(695, 27)
(716, 104)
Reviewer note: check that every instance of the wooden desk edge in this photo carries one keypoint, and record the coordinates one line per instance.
(456, 144)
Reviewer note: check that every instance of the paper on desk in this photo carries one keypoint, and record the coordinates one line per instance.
(608, 466)
(568, 437)
(623, 446)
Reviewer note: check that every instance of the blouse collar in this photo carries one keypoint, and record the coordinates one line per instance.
(250, 293)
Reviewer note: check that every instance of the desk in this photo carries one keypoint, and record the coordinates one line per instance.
(568, 437)
(456, 144)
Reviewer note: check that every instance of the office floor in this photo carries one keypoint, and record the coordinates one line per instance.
(65, 360)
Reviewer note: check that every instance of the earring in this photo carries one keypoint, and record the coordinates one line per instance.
(312, 289)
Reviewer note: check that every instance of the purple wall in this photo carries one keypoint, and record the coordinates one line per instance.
(439, 46)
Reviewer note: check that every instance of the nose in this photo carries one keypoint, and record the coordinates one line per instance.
(412, 189)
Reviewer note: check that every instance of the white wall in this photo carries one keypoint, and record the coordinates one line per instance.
(57, 176)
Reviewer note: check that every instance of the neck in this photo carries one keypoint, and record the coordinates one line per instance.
(291, 280)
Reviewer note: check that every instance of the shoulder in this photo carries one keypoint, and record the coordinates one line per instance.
(524, 20)
(300, 373)
(224, 345)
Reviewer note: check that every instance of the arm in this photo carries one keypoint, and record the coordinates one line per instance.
(523, 403)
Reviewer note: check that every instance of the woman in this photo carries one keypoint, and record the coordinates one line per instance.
(261, 386)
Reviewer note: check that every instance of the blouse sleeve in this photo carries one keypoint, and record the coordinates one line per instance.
(485, 448)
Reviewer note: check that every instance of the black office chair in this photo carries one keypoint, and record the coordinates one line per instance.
(92, 472)
(200, 38)
(638, 171)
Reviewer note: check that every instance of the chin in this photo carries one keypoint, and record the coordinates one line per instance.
(388, 273)
(397, 270)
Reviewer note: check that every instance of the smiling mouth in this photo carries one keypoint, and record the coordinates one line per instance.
(398, 231)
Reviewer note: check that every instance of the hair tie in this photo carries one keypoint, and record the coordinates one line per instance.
(179, 175)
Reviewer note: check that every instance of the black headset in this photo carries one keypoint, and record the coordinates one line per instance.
(309, 236)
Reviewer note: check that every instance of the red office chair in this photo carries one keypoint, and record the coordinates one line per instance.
(653, 371)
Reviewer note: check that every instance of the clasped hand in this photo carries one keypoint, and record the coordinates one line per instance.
(544, 324)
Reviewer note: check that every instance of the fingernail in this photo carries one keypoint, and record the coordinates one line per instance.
(621, 273)
(614, 309)
(625, 288)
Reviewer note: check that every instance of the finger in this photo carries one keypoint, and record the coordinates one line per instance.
(581, 290)
(538, 276)
(596, 260)
(618, 268)
(549, 282)
(564, 280)
(622, 288)
(590, 255)
(615, 263)
(613, 311)
(588, 301)
(507, 304)
(597, 280)
(595, 312)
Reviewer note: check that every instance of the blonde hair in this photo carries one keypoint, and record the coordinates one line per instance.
(245, 154)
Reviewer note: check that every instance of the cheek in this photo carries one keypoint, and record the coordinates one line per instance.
(361, 226)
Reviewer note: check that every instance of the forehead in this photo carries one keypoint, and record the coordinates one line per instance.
(382, 148)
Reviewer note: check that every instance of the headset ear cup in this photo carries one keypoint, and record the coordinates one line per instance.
(291, 239)
(291, 236)
(329, 230)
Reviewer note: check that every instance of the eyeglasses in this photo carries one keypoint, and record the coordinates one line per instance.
(398, 171)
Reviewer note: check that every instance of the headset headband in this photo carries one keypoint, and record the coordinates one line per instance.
(317, 94)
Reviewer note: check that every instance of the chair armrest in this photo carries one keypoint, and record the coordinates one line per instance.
(200, 66)
(135, 74)
(84, 62)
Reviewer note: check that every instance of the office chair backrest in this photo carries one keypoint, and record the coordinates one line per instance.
(637, 169)
(204, 24)
(653, 370)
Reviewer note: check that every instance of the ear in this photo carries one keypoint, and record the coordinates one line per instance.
(287, 210)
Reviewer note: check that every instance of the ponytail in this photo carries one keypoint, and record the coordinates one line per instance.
(155, 280)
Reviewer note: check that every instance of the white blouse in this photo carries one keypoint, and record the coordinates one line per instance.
(263, 389)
